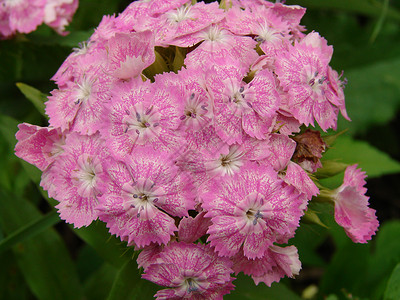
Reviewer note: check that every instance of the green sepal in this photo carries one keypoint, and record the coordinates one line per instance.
(225, 4)
(179, 59)
(311, 217)
(325, 195)
(330, 168)
(159, 66)
(330, 139)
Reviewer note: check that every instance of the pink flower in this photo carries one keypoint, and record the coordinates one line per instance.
(5, 29)
(191, 272)
(143, 9)
(129, 54)
(218, 44)
(139, 115)
(191, 229)
(143, 196)
(79, 103)
(251, 210)
(277, 263)
(58, 13)
(148, 255)
(241, 108)
(24, 16)
(228, 160)
(302, 72)
(269, 28)
(38, 145)
(196, 107)
(351, 207)
(281, 151)
(79, 175)
(186, 20)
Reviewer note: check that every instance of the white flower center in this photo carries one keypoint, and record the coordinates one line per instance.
(195, 111)
(315, 80)
(191, 285)
(227, 164)
(267, 34)
(143, 195)
(181, 14)
(82, 48)
(86, 175)
(142, 124)
(258, 209)
(214, 33)
(84, 90)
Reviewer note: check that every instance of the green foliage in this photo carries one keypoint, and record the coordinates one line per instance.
(370, 8)
(35, 96)
(29, 230)
(99, 284)
(369, 85)
(111, 249)
(392, 291)
(128, 284)
(242, 291)
(373, 161)
(44, 260)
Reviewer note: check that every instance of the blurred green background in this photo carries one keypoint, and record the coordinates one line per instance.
(43, 258)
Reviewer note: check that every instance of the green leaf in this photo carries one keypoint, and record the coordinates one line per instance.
(35, 96)
(246, 290)
(30, 62)
(393, 287)
(370, 159)
(90, 13)
(99, 284)
(12, 283)
(383, 260)
(307, 239)
(347, 268)
(8, 128)
(129, 285)
(379, 24)
(107, 247)
(369, 8)
(73, 39)
(29, 230)
(87, 262)
(43, 260)
(372, 95)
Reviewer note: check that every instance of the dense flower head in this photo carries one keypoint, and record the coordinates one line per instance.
(26, 16)
(181, 125)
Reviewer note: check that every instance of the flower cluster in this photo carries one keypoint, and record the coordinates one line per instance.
(24, 16)
(178, 124)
